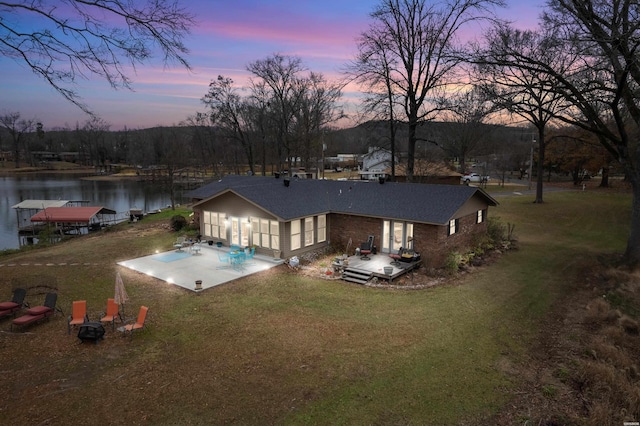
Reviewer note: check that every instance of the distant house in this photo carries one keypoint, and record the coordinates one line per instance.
(287, 217)
(375, 163)
(427, 172)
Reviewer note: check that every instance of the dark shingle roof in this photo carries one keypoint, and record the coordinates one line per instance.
(435, 204)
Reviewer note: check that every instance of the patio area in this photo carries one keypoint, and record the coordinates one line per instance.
(361, 270)
(183, 268)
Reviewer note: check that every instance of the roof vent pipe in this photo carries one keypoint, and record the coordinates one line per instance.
(286, 182)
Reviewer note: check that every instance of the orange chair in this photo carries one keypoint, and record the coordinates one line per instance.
(78, 314)
(138, 324)
(112, 313)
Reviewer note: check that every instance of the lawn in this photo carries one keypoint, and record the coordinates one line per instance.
(284, 348)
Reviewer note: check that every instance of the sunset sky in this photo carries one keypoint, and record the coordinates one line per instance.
(228, 36)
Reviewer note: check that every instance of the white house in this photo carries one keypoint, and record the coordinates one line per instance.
(375, 163)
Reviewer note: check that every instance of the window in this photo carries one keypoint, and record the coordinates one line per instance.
(322, 228)
(255, 232)
(264, 233)
(206, 220)
(480, 216)
(453, 226)
(295, 234)
(308, 231)
(275, 235)
(386, 235)
(396, 235)
(214, 225)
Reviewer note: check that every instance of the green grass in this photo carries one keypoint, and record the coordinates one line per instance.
(288, 349)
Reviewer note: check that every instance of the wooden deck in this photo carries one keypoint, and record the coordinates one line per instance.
(361, 271)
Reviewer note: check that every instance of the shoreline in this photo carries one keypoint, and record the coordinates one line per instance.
(90, 172)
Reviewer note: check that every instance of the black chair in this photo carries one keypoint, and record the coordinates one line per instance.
(16, 303)
(366, 248)
(365, 251)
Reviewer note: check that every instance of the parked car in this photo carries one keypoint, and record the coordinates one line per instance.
(474, 177)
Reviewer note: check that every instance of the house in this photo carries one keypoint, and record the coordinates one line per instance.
(287, 217)
(427, 172)
(375, 163)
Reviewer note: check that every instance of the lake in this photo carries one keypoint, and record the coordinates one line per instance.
(118, 195)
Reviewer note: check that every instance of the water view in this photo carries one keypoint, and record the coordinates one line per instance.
(118, 195)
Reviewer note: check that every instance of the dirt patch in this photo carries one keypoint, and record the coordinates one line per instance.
(584, 367)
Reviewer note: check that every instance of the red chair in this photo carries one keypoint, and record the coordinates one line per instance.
(38, 312)
(16, 303)
(365, 251)
(396, 257)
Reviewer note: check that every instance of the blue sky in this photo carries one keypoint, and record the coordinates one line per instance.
(229, 35)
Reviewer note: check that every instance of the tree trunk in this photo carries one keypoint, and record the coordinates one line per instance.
(540, 168)
(411, 149)
(632, 253)
(604, 182)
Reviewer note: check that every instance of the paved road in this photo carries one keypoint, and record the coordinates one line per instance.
(521, 187)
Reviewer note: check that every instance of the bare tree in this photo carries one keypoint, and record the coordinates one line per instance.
(296, 107)
(170, 150)
(63, 40)
(601, 82)
(317, 109)
(420, 39)
(467, 111)
(231, 113)
(280, 74)
(524, 93)
(18, 129)
(94, 138)
(205, 141)
(604, 87)
(265, 123)
(372, 70)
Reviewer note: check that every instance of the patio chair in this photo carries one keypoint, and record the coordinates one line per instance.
(137, 324)
(248, 254)
(396, 257)
(78, 314)
(38, 313)
(366, 248)
(111, 314)
(223, 258)
(16, 303)
(180, 243)
(195, 248)
(365, 251)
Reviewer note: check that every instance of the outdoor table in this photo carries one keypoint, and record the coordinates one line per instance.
(236, 258)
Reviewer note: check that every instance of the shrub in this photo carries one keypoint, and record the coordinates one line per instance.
(454, 259)
(178, 222)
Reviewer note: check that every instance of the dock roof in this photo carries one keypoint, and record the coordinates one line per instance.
(70, 214)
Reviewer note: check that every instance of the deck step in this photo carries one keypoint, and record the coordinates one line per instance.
(356, 275)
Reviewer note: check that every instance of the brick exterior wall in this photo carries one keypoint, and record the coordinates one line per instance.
(432, 242)
(358, 228)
